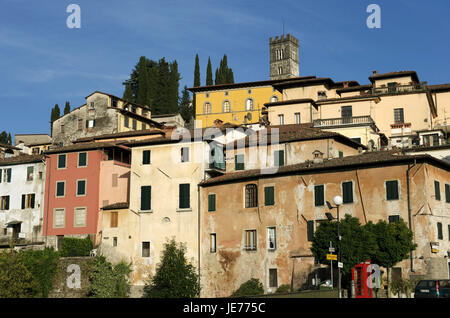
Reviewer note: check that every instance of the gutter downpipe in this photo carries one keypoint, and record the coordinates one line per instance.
(48, 194)
(409, 211)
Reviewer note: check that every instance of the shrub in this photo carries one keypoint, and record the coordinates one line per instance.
(43, 266)
(283, 289)
(108, 281)
(174, 277)
(249, 288)
(15, 279)
(76, 247)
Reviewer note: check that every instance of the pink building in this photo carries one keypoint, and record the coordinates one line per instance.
(80, 180)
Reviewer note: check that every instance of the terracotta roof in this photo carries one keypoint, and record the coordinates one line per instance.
(122, 134)
(353, 88)
(291, 101)
(21, 159)
(86, 146)
(116, 206)
(439, 87)
(294, 132)
(111, 95)
(350, 98)
(367, 159)
(394, 75)
(9, 147)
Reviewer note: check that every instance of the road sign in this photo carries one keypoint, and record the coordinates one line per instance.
(332, 257)
(340, 265)
(331, 249)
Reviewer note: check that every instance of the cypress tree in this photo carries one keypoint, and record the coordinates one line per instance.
(128, 93)
(67, 108)
(174, 78)
(141, 97)
(9, 139)
(209, 78)
(197, 72)
(185, 108)
(224, 74)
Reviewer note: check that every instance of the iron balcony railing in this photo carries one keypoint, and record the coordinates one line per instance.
(397, 89)
(343, 121)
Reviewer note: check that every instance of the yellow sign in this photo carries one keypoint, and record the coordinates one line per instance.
(331, 257)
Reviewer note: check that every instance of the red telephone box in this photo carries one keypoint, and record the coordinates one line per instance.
(360, 273)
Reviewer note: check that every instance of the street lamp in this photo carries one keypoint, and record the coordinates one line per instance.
(338, 201)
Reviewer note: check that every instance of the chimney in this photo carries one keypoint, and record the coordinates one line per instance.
(218, 123)
(374, 72)
(345, 84)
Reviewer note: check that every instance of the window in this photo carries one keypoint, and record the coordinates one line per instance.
(146, 198)
(144, 113)
(114, 220)
(310, 230)
(60, 188)
(297, 118)
(239, 162)
(114, 241)
(439, 230)
(212, 242)
(356, 139)
(211, 202)
(250, 240)
(81, 188)
(134, 109)
(59, 218)
(226, 106)
(82, 159)
(6, 175)
(126, 121)
(346, 114)
(280, 70)
(144, 126)
(146, 157)
(269, 196)
(145, 249)
(80, 124)
(185, 201)
(207, 108)
(4, 202)
(321, 95)
(249, 105)
(447, 193)
(40, 175)
(61, 161)
(79, 217)
(398, 116)
(226, 93)
(113, 102)
(437, 190)
(319, 195)
(347, 192)
(281, 119)
(115, 180)
(391, 87)
(30, 172)
(249, 91)
(62, 129)
(448, 233)
(28, 201)
(134, 124)
(278, 158)
(90, 123)
(394, 218)
(392, 190)
(341, 154)
(91, 105)
(271, 238)
(185, 154)
(251, 196)
(273, 277)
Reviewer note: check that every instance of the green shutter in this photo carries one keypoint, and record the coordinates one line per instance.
(8, 175)
(82, 159)
(23, 201)
(439, 228)
(269, 195)
(60, 189)
(447, 192)
(32, 200)
(392, 190)
(394, 218)
(310, 230)
(87, 123)
(347, 192)
(81, 187)
(239, 162)
(146, 157)
(341, 154)
(146, 198)
(211, 202)
(319, 195)
(1, 175)
(279, 158)
(184, 196)
(437, 190)
(61, 161)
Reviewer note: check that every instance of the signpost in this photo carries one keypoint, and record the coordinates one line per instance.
(331, 257)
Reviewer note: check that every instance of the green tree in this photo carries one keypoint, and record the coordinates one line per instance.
(185, 108)
(174, 79)
(5, 138)
(16, 280)
(249, 288)
(128, 93)
(55, 114)
(141, 97)
(67, 108)
(174, 277)
(394, 243)
(197, 72)
(108, 281)
(209, 78)
(224, 74)
(357, 243)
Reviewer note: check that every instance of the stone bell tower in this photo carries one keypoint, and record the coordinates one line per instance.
(284, 57)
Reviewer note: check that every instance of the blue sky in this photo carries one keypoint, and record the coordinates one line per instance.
(42, 62)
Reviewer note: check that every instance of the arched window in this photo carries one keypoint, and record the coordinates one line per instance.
(207, 108)
(249, 104)
(274, 99)
(251, 196)
(226, 106)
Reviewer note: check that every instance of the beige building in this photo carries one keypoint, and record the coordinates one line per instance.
(256, 225)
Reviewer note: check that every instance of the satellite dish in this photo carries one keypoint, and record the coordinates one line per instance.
(249, 116)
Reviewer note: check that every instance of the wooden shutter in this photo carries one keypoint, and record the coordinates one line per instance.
(146, 198)
(23, 201)
(146, 157)
(310, 230)
(1, 175)
(184, 196)
(239, 162)
(347, 192)
(394, 218)
(437, 190)
(7, 203)
(439, 228)
(32, 200)
(279, 158)
(114, 219)
(447, 193)
(319, 195)
(211, 202)
(8, 175)
(392, 190)
(269, 196)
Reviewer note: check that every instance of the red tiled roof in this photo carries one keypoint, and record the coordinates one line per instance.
(21, 159)
(116, 206)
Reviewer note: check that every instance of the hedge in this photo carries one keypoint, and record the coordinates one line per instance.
(76, 247)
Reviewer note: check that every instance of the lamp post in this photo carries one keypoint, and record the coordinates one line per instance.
(337, 200)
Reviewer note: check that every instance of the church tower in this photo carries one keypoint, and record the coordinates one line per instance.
(284, 57)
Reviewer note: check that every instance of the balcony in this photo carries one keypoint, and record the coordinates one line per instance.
(398, 89)
(345, 121)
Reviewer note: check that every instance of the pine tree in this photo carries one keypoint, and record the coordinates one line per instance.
(67, 108)
(197, 72)
(209, 78)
